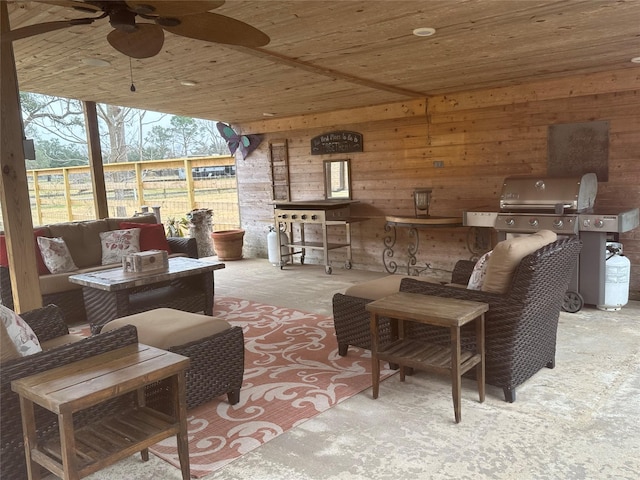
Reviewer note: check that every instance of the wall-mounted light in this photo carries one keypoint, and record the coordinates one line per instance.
(421, 201)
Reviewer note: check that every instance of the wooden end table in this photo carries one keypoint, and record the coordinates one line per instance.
(79, 385)
(449, 313)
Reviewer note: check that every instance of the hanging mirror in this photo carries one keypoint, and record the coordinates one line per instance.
(337, 179)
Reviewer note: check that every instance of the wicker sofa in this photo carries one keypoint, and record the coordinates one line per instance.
(83, 241)
(521, 324)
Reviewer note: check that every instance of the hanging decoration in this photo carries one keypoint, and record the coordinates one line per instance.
(246, 143)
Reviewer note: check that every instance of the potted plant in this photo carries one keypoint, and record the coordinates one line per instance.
(177, 227)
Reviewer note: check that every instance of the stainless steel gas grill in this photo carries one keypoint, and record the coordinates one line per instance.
(565, 205)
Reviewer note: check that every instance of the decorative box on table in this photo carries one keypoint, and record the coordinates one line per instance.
(149, 261)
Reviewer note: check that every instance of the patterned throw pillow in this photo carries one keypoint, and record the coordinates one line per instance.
(479, 272)
(56, 255)
(117, 243)
(19, 332)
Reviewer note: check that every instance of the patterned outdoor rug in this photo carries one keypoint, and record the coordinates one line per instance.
(292, 373)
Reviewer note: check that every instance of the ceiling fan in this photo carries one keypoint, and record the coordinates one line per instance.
(144, 39)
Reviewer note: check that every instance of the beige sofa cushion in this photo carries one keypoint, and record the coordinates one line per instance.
(114, 223)
(506, 256)
(380, 287)
(166, 327)
(82, 239)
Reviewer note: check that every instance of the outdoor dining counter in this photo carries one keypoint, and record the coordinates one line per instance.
(413, 224)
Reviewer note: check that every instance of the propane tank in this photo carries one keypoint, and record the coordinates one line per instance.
(272, 246)
(617, 273)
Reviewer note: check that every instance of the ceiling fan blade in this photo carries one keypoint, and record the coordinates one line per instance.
(173, 8)
(212, 27)
(40, 28)
(145, 42)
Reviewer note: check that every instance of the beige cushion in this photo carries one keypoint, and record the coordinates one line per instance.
(59, 341)
(380, 287)
(82, 239)
(507, 255)
(166, 327)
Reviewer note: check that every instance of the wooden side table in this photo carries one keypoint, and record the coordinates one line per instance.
(449, 313)
(74, 454)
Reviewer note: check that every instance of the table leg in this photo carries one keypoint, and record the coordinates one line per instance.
(375, 363)
(30, 437)
(480, 368)
(208, 287)
(68, 446)
(103, 306)
(456, 381)
(179, 390)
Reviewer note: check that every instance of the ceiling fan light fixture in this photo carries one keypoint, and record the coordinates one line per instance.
(424, 31)
(123, 20)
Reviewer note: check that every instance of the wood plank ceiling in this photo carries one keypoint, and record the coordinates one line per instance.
(333, 54)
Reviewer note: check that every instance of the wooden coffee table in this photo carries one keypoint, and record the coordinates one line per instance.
(187, 285)
(79, 385)
(449, 313)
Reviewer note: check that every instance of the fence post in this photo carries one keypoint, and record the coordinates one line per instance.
(36, 196)
(188, 175)
(139, 185)
(67, 193)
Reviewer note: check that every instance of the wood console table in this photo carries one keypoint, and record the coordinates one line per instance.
(413, 224)
(74, 454)
(449, 313)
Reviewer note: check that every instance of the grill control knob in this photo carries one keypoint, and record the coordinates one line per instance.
(510, 221)
(533, 222)
(284, 215)
(598, 223)
(294, 217)
(314, 217)
(586, 222)
(558, 223)
(304, 217)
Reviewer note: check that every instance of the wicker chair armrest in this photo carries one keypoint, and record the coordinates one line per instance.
(186, 245)
(462, 271)
(46, 322)
(426, 288)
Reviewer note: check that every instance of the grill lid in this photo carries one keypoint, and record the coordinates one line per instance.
(557, 194)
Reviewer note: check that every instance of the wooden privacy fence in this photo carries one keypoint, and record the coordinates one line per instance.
(176, 186)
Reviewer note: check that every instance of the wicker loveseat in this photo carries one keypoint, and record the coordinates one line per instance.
(83, 241)
(521, 324)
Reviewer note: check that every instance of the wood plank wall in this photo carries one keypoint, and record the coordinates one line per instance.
(480, 136)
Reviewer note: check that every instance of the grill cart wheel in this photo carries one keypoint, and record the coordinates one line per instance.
(573, 302)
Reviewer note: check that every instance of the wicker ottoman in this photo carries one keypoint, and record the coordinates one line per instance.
(215, 348)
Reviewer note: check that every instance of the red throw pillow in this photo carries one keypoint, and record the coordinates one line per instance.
(4, 257)
(152, 236)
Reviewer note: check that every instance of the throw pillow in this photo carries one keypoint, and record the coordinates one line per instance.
(117, 243)
(479, 272)
(507, 255)
(19, 332)
(56, 255)
(4, 258)
(152, 236)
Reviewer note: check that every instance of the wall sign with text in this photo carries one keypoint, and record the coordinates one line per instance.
(336, 142)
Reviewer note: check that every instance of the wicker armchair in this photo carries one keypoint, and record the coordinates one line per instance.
(48, 324)
(521, 324)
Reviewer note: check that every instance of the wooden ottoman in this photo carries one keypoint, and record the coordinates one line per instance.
(215, 348)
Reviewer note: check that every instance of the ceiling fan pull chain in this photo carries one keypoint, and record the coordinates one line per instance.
(133, 87)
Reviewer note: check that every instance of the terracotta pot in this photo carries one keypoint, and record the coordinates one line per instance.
(228, 244)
